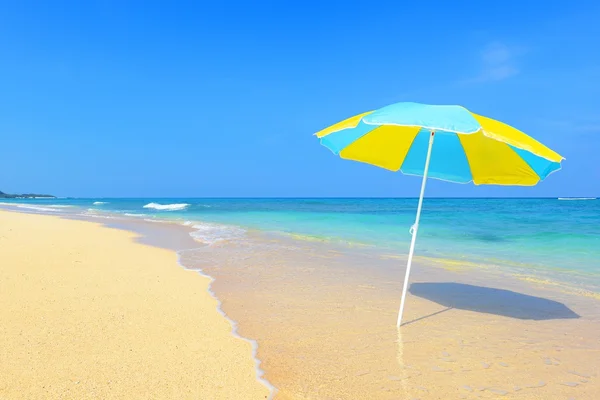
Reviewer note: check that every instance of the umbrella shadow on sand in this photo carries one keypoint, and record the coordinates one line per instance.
(490, 301)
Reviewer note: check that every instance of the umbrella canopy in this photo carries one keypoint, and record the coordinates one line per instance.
(446, 142)
(467, 148)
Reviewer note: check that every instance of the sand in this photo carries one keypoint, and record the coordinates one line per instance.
(88, 313)
(325, 323)
(93, 315)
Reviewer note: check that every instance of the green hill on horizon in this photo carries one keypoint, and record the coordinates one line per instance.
(23, 196)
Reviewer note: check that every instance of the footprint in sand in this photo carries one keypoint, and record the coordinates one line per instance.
(539, 385)
(579, 374)
(571, 384)
(498, 391)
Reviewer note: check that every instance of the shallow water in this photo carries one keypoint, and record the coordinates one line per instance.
(537, 239)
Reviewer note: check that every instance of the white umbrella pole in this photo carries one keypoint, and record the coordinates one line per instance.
(414, 230)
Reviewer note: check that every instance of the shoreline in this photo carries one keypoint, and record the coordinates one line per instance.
(577, 282)
(234, 329)
(349, 307)
(24, 233)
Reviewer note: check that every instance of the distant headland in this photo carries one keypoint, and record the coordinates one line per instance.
(25, 196)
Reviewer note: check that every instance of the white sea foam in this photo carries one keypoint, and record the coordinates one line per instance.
(99, 203)
(167, 207)
(92, 214)
(158, 221)
(135, 215)
(37, 208)
(576, 198)
(213, 233)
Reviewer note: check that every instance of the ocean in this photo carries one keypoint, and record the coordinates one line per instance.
(531, 234)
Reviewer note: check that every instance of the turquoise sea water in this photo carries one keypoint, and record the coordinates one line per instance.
(533, 234)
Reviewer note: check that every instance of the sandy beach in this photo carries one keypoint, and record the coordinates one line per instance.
(88, 313)
(95, 311)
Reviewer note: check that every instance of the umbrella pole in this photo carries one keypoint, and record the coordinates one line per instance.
(414, 230)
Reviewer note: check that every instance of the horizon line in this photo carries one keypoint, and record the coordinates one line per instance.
(305, 197)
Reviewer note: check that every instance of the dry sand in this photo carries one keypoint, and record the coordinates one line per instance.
(87, 313)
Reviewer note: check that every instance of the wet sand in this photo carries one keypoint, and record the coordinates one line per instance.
(325, 324)
(85, 312)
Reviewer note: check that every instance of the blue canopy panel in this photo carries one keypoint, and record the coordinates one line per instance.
(337, 141)
(431, 117)
(541, 166)
(448, 160)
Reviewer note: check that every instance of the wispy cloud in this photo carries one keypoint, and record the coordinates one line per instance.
(497, 62)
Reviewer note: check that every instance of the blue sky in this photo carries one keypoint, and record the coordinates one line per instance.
(221, 98)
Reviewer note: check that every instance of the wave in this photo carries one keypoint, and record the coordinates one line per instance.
(576, 198)
(99, 203)
(158, 221)
(135, 215)
(38, 208)
(167, 207)
(55, 208)
(213, 233)
(91, 213)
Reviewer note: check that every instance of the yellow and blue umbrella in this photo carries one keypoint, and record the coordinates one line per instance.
(444, 142)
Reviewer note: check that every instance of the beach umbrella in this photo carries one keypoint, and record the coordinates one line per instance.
(446, 142)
